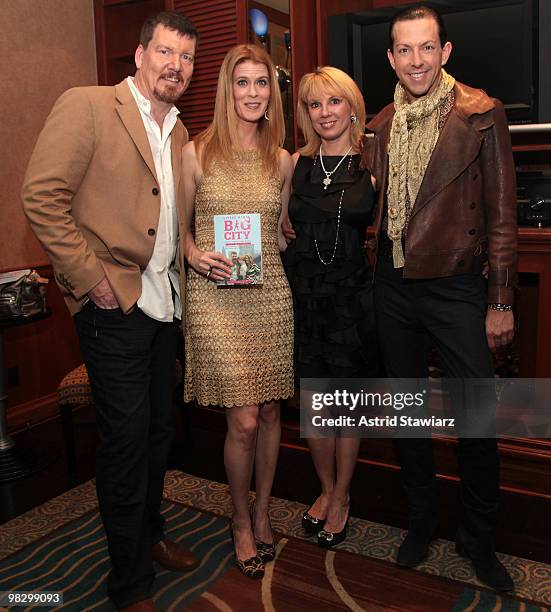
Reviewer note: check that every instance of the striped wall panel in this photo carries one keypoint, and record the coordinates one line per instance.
(221, 24)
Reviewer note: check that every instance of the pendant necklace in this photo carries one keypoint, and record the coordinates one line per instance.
(327, 263)
(327, 180)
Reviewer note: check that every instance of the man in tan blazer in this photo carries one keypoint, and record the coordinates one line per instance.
(101, 194)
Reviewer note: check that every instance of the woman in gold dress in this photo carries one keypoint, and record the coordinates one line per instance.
(239, 340)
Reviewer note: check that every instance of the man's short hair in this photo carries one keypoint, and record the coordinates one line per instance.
(171, 20)
(418, 11)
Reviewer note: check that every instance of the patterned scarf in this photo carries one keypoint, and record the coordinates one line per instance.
(409, 152)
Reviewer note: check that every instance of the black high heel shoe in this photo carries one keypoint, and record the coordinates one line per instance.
(266, 550)
(253, 567)
(326, 539)
(311, 524)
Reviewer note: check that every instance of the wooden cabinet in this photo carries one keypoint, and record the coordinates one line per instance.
(118, 25)
(532, 151)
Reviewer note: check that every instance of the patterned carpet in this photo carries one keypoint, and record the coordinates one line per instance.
(532, 579)
(60, 545)
(75, 561)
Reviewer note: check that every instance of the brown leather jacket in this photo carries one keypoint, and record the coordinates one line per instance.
(466, 209)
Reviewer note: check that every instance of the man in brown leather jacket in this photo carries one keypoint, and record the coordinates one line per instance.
(441, 154)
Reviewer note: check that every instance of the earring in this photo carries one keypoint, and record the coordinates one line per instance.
(266, 115)
(353, 119)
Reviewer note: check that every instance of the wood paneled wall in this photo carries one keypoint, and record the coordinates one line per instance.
(309, 35)
(118, 26)
(303, 43)
(221, 25)
(47, 47)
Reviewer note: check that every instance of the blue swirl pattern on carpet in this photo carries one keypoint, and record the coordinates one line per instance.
(482, 601)
(74, 559)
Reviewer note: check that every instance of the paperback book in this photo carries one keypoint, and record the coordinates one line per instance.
(238, 237)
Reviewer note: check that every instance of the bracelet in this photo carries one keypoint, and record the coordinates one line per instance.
(500, 307)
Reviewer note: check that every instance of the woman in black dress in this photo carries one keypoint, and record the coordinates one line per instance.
(329, 272)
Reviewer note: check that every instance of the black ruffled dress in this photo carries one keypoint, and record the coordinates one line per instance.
(333, 304)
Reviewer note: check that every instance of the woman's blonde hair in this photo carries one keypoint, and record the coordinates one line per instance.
(219, 141)
(327, 80)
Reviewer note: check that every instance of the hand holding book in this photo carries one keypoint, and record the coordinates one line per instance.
(238, 236)
(212, 265)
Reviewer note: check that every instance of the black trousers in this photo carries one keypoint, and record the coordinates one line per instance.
(451, 313)
(130, 361)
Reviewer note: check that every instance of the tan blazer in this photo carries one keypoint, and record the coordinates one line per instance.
(91, 193)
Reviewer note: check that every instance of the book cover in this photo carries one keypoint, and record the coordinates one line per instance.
(238, 237)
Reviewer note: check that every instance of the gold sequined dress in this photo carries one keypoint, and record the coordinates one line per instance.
(239, 340)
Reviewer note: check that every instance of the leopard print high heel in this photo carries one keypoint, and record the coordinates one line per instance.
(252, 567)
(266, 550)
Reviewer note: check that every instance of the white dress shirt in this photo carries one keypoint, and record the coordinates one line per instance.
(156, 298)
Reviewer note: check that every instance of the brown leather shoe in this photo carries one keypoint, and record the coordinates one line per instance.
(146, 605)
(174, 557)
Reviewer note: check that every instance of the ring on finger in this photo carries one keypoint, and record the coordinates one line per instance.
(209, 272)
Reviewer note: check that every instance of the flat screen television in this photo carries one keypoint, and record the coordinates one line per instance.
(499, 46)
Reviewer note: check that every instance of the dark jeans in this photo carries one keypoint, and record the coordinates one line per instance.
(451, 313)
(130, 361)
